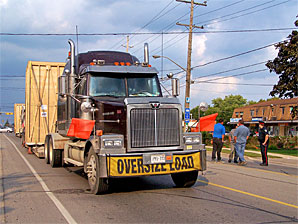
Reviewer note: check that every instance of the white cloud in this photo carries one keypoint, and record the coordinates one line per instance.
(199, 45)
(3, 3)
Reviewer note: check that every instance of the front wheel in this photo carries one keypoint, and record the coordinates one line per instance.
(185, 179)
(55, 155)
(46, 150)
(97, 185)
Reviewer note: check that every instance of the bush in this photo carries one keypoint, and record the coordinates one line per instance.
(272, 147)
(280, 145)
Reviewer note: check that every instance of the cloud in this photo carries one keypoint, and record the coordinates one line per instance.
(199, 45)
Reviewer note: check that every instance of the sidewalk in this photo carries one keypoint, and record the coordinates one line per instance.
(269, 153)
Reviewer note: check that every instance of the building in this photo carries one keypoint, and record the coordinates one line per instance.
(277, 115)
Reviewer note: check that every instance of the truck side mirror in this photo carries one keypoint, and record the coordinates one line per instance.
(175, 87)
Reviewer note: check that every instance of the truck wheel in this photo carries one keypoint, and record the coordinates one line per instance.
(185, 179)
(97, 185)
(54, 155)
(46, 150)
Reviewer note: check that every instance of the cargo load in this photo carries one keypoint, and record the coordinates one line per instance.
(18, 107)
(41, 100)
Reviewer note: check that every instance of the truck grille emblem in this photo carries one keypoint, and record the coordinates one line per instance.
(155, 106)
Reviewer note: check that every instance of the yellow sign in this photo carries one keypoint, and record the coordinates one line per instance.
(133, 166)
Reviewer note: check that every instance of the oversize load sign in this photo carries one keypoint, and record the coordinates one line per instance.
(133, 166)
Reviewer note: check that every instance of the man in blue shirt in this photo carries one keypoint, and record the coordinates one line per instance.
(241, 135)
(218, 137)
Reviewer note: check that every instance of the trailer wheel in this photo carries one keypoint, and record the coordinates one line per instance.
(185, 179)
(55, 155)
(46, 150)
(97, 185)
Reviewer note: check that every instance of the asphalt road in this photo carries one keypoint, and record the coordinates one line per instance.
(33, 192)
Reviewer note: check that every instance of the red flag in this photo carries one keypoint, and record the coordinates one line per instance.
(207, 123)
(80, 128)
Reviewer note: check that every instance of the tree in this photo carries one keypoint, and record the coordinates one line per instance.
(286, 66)
(224, 107)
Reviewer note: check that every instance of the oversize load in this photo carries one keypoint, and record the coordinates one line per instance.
(133, 166)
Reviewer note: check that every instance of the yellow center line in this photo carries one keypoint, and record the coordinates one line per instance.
(250, 194)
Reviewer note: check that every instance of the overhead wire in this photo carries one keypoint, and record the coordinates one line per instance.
(148, 23)
(245, 14)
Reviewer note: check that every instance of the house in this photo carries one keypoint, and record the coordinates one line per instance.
(277, 115)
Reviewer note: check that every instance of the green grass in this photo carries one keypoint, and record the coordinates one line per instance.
(249, 154)
(289, 152)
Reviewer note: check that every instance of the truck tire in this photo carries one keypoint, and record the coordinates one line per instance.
(185, 179)
(46, 150)
(55, 155)
(97, 185)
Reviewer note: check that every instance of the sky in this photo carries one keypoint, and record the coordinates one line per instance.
(228, 59)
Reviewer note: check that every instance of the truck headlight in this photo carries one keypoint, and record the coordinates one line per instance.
(112, 141)
(108, 143)
(192, 139)
(188, 140)
(117, 143)
(196, 140)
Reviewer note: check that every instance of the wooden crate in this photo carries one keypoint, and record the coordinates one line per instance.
(41, 100)
(17, 117)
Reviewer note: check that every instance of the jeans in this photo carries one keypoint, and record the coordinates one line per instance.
(240, 147)
(233, 151)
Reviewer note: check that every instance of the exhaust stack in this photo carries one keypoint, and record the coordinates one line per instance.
(146, 54)
(71, 82)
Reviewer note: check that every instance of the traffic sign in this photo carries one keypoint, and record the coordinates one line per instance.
(187, 113)
(187, 99)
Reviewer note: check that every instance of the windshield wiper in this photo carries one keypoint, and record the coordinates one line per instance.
(108, 95)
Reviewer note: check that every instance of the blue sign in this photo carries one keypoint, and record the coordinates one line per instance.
(187, 113)
(187, 99)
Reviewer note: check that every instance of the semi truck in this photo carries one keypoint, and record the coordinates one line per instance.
(113, 120)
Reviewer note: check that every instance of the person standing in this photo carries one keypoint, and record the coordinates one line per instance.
(218, 137)
(241, 135)
(264, 142)
(232, 145)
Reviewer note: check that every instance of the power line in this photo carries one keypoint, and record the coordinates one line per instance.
(242, 84)
(234, 13)
(236, 55)
(151, 21)
(245, 14)
(146, 33)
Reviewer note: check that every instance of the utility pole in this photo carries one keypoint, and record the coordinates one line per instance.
(127, 44)
(189, 51)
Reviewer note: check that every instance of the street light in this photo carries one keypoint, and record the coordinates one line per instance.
(159, 56)
(186, 104)
(202, 107)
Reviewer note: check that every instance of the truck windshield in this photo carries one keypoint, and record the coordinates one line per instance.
(137, 85)
(142, 85)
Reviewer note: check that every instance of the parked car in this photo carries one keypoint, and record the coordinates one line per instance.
(6, 129)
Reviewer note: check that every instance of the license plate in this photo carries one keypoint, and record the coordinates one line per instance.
(158, 158)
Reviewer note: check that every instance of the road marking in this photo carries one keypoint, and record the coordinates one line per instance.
(246, 193)
(58, 204)
(266, 171)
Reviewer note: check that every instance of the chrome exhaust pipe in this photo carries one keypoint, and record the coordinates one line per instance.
(146, 54)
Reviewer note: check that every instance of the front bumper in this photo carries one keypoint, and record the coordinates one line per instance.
(126, 165)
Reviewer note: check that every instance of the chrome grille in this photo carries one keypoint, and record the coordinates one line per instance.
(154, 127)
